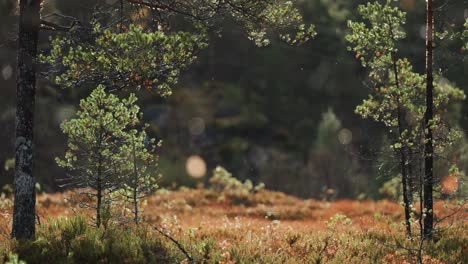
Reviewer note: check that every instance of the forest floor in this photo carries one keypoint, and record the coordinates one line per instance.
(272, 227)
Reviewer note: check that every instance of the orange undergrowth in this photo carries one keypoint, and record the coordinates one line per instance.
(280, 228)
(195, 207)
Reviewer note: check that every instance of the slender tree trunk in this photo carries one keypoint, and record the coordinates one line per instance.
(24, 211)
(410, 176)
(135, 185)
(428, 117)
(421, 208)
(121, 16)
(403, 156)
(406, 200)
(99, 187)
(99, 201)
(135, 207)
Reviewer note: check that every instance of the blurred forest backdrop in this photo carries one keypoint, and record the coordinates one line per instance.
(281, 115)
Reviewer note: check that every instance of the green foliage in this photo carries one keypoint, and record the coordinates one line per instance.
(102, 122)
(13, 259)
(391, 189)
(222, 180)
(261, 20)
(338, 219)
(109, 151)
(141, 181)
(465, 34)
(153, 60)
(9, 164)
(281, 17)
(379, 34)
(131, 59)
(327, 132)
(72, 240)
(332, 166)
(6, 194)
(339, 10)
(95, 137)
(399, 93)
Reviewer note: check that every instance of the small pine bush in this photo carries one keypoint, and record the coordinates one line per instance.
(222, 181)
(73, 240)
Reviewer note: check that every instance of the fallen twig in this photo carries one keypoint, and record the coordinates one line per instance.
(181, 248)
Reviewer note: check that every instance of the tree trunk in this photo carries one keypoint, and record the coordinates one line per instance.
(135, 185)
(24, 211)
(406, 200)
(402, 153)
(411, 176)
(99, 201)
(428, 147)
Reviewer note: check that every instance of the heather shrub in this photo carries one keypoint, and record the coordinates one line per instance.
(73, 240)
(223, 182)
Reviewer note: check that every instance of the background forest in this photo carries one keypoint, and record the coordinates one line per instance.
(280, 114)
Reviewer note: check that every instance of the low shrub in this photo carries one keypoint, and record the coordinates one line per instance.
(73, 240)
(238, 192)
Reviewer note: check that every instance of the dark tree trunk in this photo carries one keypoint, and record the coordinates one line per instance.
(135, 189)
(99, 201)
(24, 211)
(135, 184)
(428, 117)
(406, 194)
(411, 177)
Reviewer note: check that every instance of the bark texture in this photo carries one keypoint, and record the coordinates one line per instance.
(24, 212)
(428, 147)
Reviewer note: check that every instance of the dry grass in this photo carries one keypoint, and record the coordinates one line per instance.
(271, 227)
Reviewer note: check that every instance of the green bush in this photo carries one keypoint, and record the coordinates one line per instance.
(73, 240)
(222, 181)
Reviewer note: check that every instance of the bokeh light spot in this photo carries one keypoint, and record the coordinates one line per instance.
(450, 184)
(7, 72)
(196, 126)
(196, 166)
(345, 136)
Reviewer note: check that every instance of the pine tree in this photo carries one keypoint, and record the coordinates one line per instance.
(428, 124)
(257, 17)
(97, 148)
(141, 169)
(399, 92)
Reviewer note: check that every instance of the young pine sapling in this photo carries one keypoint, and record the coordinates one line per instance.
(398, 99)
(142, 176)
(96, 152)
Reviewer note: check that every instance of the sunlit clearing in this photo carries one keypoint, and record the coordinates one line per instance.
(450, 184)
(196, 166)
(345, 136)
